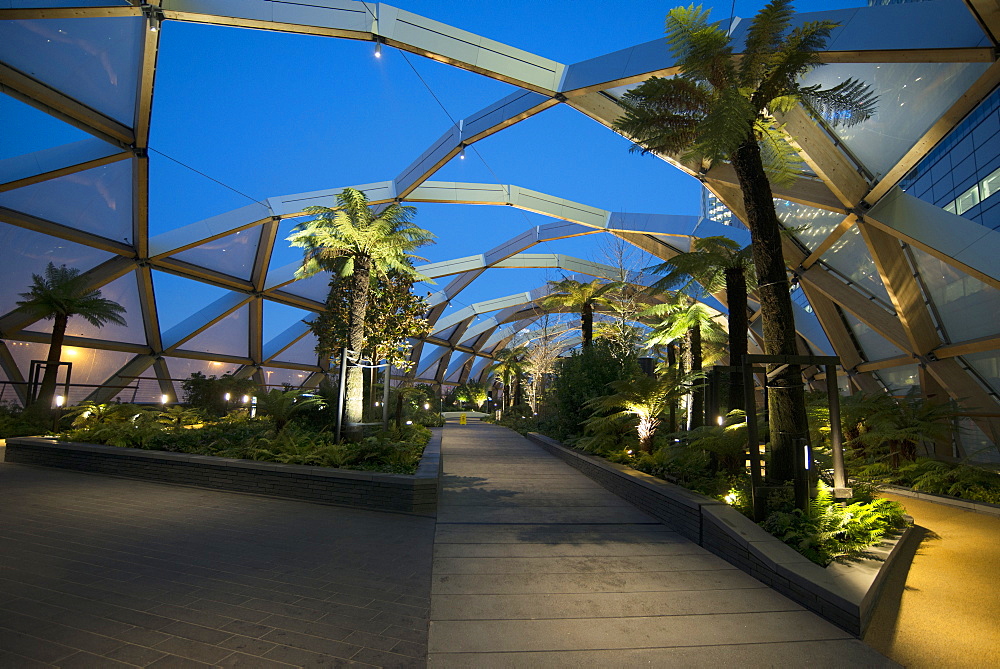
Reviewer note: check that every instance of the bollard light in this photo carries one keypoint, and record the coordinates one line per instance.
(246, 398)
(164, 399)
(227, 396)
(60, 400)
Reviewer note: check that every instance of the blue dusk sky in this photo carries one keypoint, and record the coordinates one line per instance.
(270, 114)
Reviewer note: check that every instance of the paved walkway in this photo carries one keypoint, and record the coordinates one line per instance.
(105, 572)
(943, 612)
(537, 566)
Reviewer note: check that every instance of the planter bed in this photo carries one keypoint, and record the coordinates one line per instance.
(415, 494)
(843, 593)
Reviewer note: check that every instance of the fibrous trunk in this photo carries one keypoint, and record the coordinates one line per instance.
(355, 400)
(46, 392)
(587, 323)
(697, 418)
(736, 295)
(787, 416)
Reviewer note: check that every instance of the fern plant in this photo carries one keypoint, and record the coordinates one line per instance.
(829, 531)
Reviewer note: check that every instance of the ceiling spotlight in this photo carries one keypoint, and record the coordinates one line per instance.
(378, 49)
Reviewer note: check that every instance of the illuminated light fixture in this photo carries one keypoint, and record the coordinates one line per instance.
(378, 49)
(806, 449)
(154, 15)
(60, 400)
(462, 154)
(721, 421)
(164, 399)
(227, 396)
(409, 422)
(427, 406)
(246, 398)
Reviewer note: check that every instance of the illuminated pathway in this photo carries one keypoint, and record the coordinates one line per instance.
(536, 565)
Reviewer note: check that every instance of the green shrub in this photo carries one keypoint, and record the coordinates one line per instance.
(830, 531)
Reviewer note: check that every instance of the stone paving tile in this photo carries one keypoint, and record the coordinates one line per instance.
(102, 571)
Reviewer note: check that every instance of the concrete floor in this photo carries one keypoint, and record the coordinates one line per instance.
(943, 612)
(535, 565)
(106, 572)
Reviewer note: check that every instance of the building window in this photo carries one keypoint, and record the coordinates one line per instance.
(967, 200)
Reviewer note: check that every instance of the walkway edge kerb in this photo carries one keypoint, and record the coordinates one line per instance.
(416, 494)
(969, 505)
(844, 594)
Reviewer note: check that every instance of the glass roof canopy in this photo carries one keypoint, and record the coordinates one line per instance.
(898, 288)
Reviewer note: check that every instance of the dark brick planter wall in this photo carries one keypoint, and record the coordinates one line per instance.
(416, 494)
(844, 594)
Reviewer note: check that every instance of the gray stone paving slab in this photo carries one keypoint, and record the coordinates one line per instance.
(521, 580)
(102, 572)
(608, 604)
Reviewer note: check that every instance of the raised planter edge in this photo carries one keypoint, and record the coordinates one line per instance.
(843, 593)
(415, 494)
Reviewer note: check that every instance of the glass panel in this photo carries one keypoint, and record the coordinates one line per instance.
(91, 367)
(816, 224)
(27, 252)
(284, 253)
(912, 97)
(91, 60)
(143, 389)
(967, 306)
(178, 297)
(303, 351)
(967, 200)
(98, 200)
(275, 377)
(991, 184)
(850, 257)
(987, 364)
(899, 380)
(977, 447)
(230, 336)
(232, 255)
(28, 130)
(873, 345)
(183, 368)
(279, 317)
(203, 198)
(125, 292)
(315, 287)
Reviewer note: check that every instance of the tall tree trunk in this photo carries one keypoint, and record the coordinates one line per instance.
(587, 323)
(47, 390)
(355, 400)
(786, 411)
(736, 295)
(697, 418)
(671, 362)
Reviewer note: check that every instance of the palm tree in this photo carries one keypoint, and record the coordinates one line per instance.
(644, 398)
(684, 318)
(358, 242)
(718, 263)
(721, 107)
(583, 297)
(61, 294)
(510, 364)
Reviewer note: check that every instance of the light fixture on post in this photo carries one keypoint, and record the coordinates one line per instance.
(164, 398)
(60, 401)
(154, 16)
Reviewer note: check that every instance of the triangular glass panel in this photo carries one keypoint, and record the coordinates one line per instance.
(303, 351)
(316, 287)
(852, 259)
(911, 98)
(811, 225)
(125, 292)
(279, 317)
(28, 130)
(987, 363)
(98, 200)
(27, 252)
(233, 254)
(899, 380)
(284, 253)
(91, 60)
(178, 297)
(203, 196)
(141, 389)
(976, 446)
(230, 336)
(91, 367)
(276, 377)
(959, 300)
(873, 345)
(182, 369)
